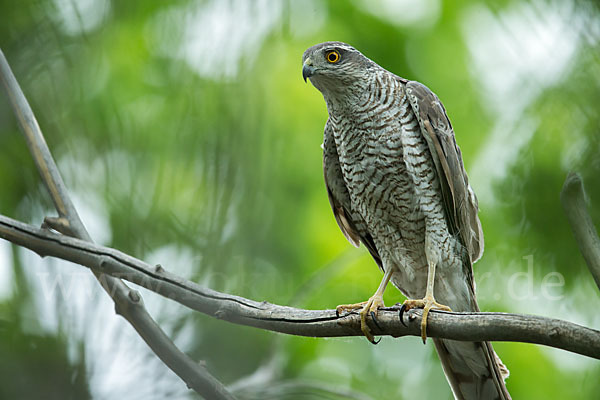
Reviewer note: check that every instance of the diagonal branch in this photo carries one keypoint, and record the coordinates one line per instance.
(315, 323)
(572, 197)
(128, 303)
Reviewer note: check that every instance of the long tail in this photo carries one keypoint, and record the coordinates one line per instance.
(473, 369)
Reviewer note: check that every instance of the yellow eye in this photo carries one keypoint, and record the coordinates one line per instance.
(332, 56)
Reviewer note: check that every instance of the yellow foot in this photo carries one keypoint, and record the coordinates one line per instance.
(349, 307)
(369, 307)
(426, 304)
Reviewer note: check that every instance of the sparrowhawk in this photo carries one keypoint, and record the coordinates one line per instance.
(396, 183)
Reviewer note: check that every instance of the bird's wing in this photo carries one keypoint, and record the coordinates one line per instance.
(460, 202)
(461, 360)
(352, 225)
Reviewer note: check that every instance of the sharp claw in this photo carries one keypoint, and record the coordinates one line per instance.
(375, 321)
(401, 314)
(424, 329)
(424, 325)
(376, 342)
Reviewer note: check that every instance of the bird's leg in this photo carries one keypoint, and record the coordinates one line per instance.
(369, 307)
(427, 303)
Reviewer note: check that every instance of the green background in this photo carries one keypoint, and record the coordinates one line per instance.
(187, 137)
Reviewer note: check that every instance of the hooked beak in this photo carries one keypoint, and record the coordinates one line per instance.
(307, 69)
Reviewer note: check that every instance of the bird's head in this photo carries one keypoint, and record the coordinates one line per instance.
(334, 67)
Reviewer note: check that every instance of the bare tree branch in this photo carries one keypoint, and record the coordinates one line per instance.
(572, 197)
(128, 303)
(315, 323)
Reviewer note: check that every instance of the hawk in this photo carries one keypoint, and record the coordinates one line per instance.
(396, 183)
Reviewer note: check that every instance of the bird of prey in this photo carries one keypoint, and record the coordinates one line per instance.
(396, 183)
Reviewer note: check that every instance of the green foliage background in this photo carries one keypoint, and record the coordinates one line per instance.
(188, 138)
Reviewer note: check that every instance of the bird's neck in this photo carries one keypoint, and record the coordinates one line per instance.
(348, 100)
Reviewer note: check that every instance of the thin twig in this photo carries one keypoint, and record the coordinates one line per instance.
(573, 200)
(315, 323)
(128, 303)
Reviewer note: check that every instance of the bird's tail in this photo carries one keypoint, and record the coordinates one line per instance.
(473, 369)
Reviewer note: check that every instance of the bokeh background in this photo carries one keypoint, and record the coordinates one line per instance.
(187, 137)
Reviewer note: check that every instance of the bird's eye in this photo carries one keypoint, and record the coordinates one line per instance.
(332, 56)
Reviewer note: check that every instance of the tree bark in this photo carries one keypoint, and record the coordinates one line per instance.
(128, 303)
(573, 199)
(315, 323)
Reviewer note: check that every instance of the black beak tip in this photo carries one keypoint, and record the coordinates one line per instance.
(307, 72)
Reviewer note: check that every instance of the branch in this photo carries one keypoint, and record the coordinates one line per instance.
(572, 197)
(314, 323)
(128, 303)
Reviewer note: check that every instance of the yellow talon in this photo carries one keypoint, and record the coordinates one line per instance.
(369, 307)
(426, 303)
